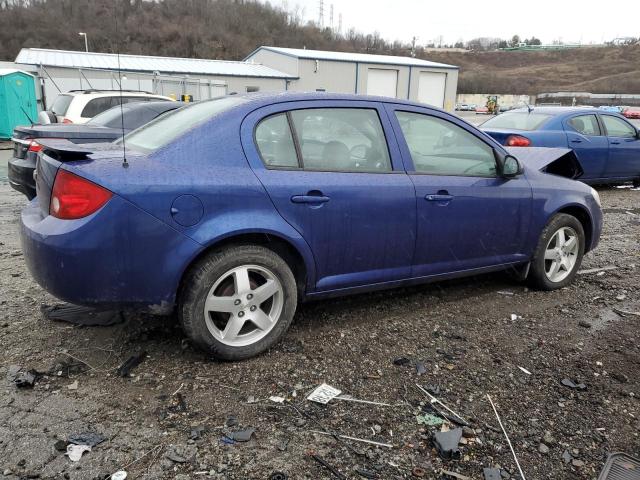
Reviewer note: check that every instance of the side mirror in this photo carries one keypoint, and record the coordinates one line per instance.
(508, 165)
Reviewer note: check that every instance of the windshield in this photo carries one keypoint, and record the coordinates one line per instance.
(517, 121)
(61, 104)
(167, 128)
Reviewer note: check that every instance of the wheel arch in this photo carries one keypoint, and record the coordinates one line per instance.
(584, 217)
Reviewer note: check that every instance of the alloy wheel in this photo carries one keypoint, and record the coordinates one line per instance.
(561, 254)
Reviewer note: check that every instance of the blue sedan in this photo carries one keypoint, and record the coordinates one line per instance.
(606, 144)
(231, 211)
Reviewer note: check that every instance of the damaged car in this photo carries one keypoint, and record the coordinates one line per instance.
(231, 211)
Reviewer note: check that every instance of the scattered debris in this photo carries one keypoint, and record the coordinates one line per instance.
(231, 421)
(492, 474)
(621, 297)
(73, 385)
(84, 316)
(584, 324)
(447, 443)
(525, 370)
(620, 466)
(132, 362)
(242, 435)
(429, 420)
(197, 432)
(322, 462)
(355, 439)
(596, 270)
(119, 475)
(567, 457)
(87, 438)
(180, 405)
(433, 389)
(74, 452)
(175, 457)
(571, 384)
(323, 394)
(366, 473)
(349, 398)
(277, 399)
(22, 378)
(456, 418)
(418, 472)
(457, 475)
(515, 317)
(620, 377)
(401, 361)
(60, 446)
(506, 436)
(505, 292)
(542, 448)
(420, 368)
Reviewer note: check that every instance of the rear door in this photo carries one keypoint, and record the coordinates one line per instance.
(335, 176)
(624, 148)
(589, 142)
(468, 217)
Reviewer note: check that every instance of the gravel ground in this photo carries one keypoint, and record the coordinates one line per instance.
(170, 418)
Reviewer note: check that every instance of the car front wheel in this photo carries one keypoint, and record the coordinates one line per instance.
(238, 302)
(558, 254)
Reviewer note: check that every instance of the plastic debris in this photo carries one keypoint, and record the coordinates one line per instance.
(323, 394)
(420, 368)
(60, 446)
(73, 386)
(74, 452)
(492, 474)
(457, 475)
(84, 316)
(231, 421)
(429, 420)
(278, 476)
(515, 317)
(87, 438)
(366, 473)
(355, 439)
(447, 443)
(418, 472)
(596, 270)
(119, 475)
(242, 435)
(525, 370)
(322, 462)
(197, 432)
(132, 362)
(624, 313)
(277, 399)
(571, 384)
(505, 292)
(455, 417)
(401, 361)
(513, 452)
(21, 378)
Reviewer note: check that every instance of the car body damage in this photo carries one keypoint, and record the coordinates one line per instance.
(556, 161)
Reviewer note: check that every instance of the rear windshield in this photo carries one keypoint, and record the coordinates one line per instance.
(167, 128)
(517, 121)
(111, 118)
(61, 104)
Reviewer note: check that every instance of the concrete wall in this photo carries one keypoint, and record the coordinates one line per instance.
(282, 63)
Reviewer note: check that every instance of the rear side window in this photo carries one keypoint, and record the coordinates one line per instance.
(585, 124)
(439, 147)
(341, 139)
(617, 127)
(275, 142)
(517, 121)
(98, 105)
(61, 104)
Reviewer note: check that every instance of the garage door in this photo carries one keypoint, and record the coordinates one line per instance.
(382, 82)
(431, 87)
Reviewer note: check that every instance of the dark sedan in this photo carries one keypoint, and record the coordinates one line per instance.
(105, 127)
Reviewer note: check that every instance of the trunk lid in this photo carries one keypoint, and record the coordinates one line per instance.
(555, 161)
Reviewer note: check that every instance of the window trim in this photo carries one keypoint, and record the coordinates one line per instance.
(623, 120)
(403, 140)
(598, 122)
(296, 142)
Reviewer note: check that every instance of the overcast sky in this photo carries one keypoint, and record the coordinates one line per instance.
(567, 20)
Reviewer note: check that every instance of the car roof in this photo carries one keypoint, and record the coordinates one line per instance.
(555, 111)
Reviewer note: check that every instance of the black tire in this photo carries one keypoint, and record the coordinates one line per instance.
(204, 275)
(537, 274)
(636, 183)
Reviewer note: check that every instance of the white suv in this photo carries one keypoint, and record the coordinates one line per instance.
(80, 106)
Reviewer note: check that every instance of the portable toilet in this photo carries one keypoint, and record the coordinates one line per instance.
(18, 105)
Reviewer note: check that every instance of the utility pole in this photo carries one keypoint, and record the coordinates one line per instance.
(413, 46)
(340, 23)
(331, 17)
(321, 14)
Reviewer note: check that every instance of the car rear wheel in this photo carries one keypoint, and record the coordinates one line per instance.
(238, 302)
(558, 254)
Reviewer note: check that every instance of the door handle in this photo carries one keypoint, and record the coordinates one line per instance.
(438, 197)
(576, 141)
(615, 142)
(310, 199)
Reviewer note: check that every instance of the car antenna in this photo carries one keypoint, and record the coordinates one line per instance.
(125, 164)
(529, 107)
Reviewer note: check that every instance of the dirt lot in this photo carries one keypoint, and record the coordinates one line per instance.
(462, 331)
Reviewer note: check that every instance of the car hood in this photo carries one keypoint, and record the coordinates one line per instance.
(75, 132)
(555, 161)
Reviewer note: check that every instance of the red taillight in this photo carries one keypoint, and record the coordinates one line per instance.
(34, 146)
(75, 197)
(66, 120)
(518, 141)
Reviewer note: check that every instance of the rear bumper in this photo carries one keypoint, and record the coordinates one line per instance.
(118, 257)
(20, 173)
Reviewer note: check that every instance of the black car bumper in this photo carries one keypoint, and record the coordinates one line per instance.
(21, 175)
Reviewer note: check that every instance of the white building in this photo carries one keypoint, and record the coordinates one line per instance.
(400, 77)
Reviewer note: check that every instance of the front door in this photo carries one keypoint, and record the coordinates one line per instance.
(624, 148)
(589, 143)
(334, 176)
(468, 217)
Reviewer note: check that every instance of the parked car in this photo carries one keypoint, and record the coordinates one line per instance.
(610, 108)
(104, 127)
(482, 110)
(632, 112)
(607, 145)
(463, 107)
(232, 210)
(80, 106)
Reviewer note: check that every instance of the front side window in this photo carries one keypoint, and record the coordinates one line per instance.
(585, 124)
(617, 127)
(439, 147)
(341, 139)
(275, 142)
